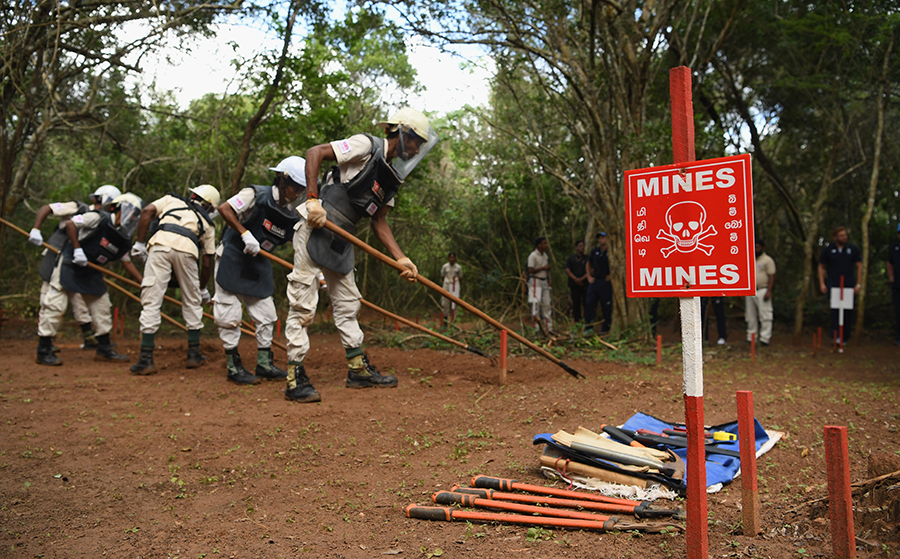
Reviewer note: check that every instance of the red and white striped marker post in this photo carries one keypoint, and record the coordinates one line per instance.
(691, 338)
(503, 352)
(749, 487)
(840, 500)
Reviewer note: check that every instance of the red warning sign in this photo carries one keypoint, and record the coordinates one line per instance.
(690, 229)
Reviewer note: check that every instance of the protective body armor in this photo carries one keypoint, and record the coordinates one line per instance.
(103, 245)
(272, 225)
(57, 239)
(346, 203)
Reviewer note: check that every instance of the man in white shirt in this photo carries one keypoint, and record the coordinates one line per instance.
(539, 284)
(759, 307)
(451, 276)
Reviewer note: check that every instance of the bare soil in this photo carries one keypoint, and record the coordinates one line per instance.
(97, 462)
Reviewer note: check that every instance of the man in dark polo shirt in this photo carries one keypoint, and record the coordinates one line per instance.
(893, 269)
(576, 269)
(599, 285)
(840, 259)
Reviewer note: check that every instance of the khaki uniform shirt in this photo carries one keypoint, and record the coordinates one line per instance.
(189, 220)
(765, 267)
(538, 260)
(242, 203)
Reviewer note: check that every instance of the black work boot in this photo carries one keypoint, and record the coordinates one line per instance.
(265, 365)
(194, 357)
(90, 341)
(45, 355)
(55, 348)
(303, 391)
(368, 376)
(236, 371)
(105, 351)
(145, 365)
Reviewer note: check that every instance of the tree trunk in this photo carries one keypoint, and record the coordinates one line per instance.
(812, 229)
(873, 184)
(272, 89)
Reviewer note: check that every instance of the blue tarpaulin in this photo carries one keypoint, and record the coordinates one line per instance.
(719, 468)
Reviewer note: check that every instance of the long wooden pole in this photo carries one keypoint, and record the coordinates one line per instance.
(386, 313)
(436, 288)
(135, 284)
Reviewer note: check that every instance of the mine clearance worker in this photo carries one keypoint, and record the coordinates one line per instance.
(185, 233)
(759, 307)
(257, 217)
(362, 185)
(64, 211)
(539, 283)
(840, 259)
(451, 276)
(96, 236)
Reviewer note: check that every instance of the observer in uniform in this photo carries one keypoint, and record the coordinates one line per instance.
(258, 217)
(64, 211)
(185, 234)
(362, 185)
(99, 237)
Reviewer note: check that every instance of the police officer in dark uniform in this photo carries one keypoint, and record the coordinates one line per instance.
(840, 259)
(259, 218)
(893, 269)
(599, 285)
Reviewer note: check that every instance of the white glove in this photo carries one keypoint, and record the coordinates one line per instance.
(251, 245)
(205, 297)
(317, 215)
(139, 251)
(79, 258)
(411, 271)
(35, 237)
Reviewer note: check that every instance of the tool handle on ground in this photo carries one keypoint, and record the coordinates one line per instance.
(429, 513)
(435, 287)
(412, 324)
(679, 442)
(618, 457)
(500, 484)
(621, 437)
(471, 501)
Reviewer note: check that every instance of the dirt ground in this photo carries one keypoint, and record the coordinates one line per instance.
(97, 462)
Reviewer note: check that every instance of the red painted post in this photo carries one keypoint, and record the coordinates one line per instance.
(278, 329)
(396, 326)
(753, 348)
(683, 152)
(503, 349)
(749, 487)
(658, 351)
(840, 501)
(820, 337)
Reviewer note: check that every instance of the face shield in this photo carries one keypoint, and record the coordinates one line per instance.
(127, 218)
(286, 192)
(404, 164)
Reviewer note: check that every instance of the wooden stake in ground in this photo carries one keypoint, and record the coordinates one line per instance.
(749, 487)
(840, 501)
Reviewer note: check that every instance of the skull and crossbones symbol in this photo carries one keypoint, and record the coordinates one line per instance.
(686, 222)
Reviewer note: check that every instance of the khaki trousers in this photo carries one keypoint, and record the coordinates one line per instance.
(55, 300)
(303, 296)
(759, 316)
(539, 297)
(162, 262)
(227, 310)
(79, 308)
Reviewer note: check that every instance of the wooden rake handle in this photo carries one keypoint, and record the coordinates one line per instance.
(438, 289)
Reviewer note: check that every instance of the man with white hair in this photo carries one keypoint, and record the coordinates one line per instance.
(259, 218)
(368, 174)
(184, 235)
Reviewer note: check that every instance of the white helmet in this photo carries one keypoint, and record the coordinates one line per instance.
(410, 117)
(209, 193)
(294, 167)
(105, 195)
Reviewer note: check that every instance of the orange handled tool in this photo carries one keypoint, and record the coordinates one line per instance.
(473, 501)
(637, 510)
(447, 513)
(500, 484)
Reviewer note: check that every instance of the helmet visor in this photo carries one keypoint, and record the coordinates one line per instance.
(404, 168)
(129, 215)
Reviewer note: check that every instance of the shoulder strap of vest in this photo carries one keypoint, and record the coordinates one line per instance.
(190, 205)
